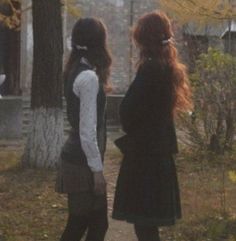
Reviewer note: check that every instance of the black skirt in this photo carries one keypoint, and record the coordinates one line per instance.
(73, 174)
(147, 191)
(75, 179)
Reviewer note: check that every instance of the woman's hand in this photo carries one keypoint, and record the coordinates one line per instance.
(99, 183)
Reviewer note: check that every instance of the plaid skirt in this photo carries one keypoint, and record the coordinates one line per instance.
(72, 178)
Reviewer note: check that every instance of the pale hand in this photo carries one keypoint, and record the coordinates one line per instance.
(99, 183)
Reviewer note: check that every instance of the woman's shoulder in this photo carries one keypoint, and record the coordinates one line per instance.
(152, 66)
(149, 72)
(87, 80)
(86, 77)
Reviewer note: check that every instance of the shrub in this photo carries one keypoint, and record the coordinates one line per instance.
(212, 125)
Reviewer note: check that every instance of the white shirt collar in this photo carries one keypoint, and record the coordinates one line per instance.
(85, 61)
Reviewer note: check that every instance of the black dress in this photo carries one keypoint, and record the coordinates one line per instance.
(147, 188)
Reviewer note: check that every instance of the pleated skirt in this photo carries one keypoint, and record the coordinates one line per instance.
(147, 191)
(73, 174)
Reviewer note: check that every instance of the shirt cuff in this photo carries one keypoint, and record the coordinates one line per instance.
(95, 165)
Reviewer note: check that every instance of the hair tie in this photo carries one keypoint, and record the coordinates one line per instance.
(166, 41)
(79, 47)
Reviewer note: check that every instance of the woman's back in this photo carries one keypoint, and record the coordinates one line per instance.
(146, 110)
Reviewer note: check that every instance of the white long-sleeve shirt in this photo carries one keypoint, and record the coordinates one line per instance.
(86, 87)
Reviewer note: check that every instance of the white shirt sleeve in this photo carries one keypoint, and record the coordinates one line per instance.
(86, 87)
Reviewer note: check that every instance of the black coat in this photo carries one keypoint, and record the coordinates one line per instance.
(147, 186)
(145, 113)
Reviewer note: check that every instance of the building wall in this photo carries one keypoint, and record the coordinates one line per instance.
(117, 15)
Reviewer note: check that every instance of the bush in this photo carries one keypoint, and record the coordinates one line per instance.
(212, 124)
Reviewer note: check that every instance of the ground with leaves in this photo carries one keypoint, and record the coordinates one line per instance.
(30, 210)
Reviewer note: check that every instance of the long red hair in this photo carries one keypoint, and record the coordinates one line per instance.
(154, 36)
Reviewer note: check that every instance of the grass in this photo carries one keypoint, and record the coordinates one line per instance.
(30, 210)
(208, 198)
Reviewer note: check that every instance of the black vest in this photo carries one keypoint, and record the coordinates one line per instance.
(72, 150)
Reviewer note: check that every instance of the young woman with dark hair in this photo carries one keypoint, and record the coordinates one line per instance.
(147, 192)
(80, 172)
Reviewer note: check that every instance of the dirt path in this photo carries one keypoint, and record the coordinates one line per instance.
(118, 231)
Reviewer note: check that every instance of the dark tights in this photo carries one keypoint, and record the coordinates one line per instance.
(80, 221)
(147, 233)
(75, 228)
(96, 226)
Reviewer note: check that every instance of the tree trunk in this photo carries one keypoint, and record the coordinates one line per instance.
(46, 131)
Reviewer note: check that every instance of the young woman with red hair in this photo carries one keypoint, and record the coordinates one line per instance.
(147, 192)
